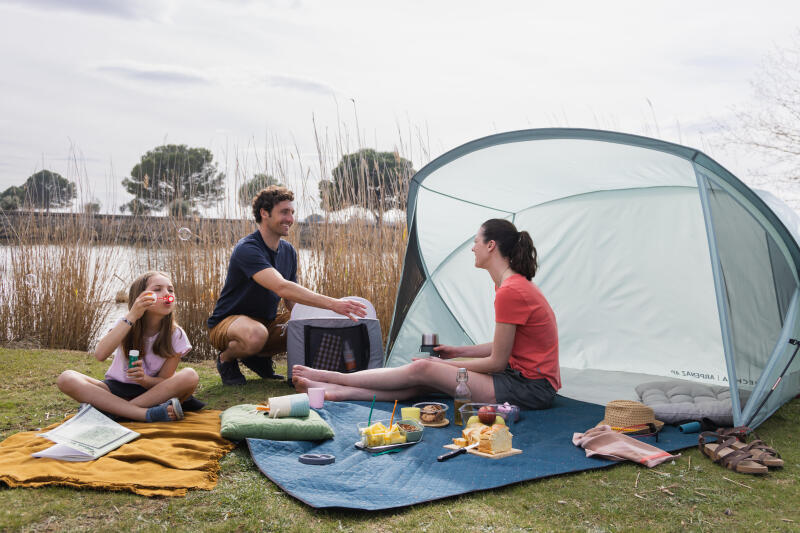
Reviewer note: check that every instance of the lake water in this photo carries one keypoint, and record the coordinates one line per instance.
(128, 262)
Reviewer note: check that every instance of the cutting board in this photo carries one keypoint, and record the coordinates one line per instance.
(474, 451)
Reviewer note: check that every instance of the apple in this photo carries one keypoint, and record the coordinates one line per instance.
(487, 414)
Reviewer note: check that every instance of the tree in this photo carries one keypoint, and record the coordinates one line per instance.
(376, 181)
(251, 188)
(12, 198)
(770, 125)
(181, 209)
(92, 208)
(173, 172)
(47, 189)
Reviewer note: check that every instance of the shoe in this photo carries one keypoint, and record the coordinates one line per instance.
(192, 404)
(723, 453)
(230, 373)
(263, 366)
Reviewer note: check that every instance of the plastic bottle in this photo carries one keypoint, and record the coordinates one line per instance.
(349, 358)
(133, 356)
(463, 394)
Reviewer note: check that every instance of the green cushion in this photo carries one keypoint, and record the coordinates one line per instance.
(243, 421)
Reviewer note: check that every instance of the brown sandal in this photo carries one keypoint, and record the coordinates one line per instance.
(761, 452)
(723, 453)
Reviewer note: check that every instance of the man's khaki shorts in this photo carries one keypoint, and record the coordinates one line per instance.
(276, 334)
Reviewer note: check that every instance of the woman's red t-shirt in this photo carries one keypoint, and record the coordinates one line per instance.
(535, 351)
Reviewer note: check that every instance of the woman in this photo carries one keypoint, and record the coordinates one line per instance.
(520, 366)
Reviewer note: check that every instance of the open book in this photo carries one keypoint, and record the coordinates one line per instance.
(86, 436)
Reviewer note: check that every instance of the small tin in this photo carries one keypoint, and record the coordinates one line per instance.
(133, 356)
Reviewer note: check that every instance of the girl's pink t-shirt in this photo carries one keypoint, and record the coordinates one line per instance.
(151, 363)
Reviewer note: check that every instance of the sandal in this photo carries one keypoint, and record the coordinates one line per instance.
(159, 413)
(761, 453)
(723, 453)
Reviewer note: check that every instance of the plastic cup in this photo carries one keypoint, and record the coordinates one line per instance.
(316, 397)
(410, 413)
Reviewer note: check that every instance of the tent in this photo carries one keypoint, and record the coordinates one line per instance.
(659, 263)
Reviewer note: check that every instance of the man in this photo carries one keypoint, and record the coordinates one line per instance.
(263, 269)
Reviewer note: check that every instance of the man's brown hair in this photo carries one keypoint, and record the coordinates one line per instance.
(267, 198)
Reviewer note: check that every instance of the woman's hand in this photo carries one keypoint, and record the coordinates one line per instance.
(448, 352)
(141, 304)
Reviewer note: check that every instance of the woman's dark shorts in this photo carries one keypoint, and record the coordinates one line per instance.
(512, 387)
(129, 391)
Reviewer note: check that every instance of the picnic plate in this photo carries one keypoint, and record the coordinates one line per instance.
(385, 447)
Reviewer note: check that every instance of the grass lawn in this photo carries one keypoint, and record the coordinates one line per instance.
(690, 493)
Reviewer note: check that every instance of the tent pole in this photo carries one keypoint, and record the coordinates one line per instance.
(796, 344)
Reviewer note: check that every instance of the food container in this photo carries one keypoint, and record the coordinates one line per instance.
(412, 435)
(429, 342)
(509, 413)
(428, 417)
(380, 435)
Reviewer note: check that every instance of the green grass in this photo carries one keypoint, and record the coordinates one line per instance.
(698, 498)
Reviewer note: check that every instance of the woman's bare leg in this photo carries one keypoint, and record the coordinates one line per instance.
(338, 393)
(84, 389)
(425, 373)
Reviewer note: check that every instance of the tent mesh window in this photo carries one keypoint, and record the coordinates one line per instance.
(325, 347)
(757, 279)
(410, 284)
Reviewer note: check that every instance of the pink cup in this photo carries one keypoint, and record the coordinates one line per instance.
(316, 397)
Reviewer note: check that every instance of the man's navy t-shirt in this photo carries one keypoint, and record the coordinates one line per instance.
(241, 295)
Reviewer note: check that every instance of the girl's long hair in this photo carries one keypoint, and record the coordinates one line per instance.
(515, 245)
(134, 340)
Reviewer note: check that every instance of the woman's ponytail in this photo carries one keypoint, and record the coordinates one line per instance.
(515, 245)
(523, 258)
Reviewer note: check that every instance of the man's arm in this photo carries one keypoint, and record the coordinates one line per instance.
(291, 292)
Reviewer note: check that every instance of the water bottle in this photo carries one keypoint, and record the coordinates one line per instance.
(349, 358)
(463, 395)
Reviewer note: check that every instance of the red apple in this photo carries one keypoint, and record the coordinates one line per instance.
(487, 414)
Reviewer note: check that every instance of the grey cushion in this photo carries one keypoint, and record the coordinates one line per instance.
(674, 402)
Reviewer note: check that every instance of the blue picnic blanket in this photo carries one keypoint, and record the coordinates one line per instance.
(360, 480)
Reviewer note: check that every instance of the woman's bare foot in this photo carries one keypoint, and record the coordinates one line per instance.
(332, 392)
(313, 374)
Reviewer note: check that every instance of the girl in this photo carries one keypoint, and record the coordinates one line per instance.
(520, 366)
(151, 390)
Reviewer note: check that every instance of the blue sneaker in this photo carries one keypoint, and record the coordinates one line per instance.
(230, 373)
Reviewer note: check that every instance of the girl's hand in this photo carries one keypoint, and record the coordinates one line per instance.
(136, 373)
(447, 352)
(142, 303)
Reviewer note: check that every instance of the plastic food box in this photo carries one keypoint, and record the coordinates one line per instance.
(380, 439)
(440, 414)
(510, 413)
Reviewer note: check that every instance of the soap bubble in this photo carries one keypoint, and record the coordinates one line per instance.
(30, 280)
(184, 234)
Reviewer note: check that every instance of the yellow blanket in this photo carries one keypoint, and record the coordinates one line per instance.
(168, 459)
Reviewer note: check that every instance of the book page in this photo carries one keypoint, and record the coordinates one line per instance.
(90, 432)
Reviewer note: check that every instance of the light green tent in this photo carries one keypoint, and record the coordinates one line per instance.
(658, 263)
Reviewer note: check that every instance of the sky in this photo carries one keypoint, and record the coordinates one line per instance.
(88, 86)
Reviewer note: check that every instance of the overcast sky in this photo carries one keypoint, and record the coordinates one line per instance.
(88, 86)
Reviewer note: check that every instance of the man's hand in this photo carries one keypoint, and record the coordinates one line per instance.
(349, 308)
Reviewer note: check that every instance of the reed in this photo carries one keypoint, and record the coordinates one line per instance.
(61, 270)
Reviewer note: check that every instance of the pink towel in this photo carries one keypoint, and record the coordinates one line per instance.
(605, 442)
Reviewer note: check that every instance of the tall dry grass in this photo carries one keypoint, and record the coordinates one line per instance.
(55, 285)
(79, 261)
